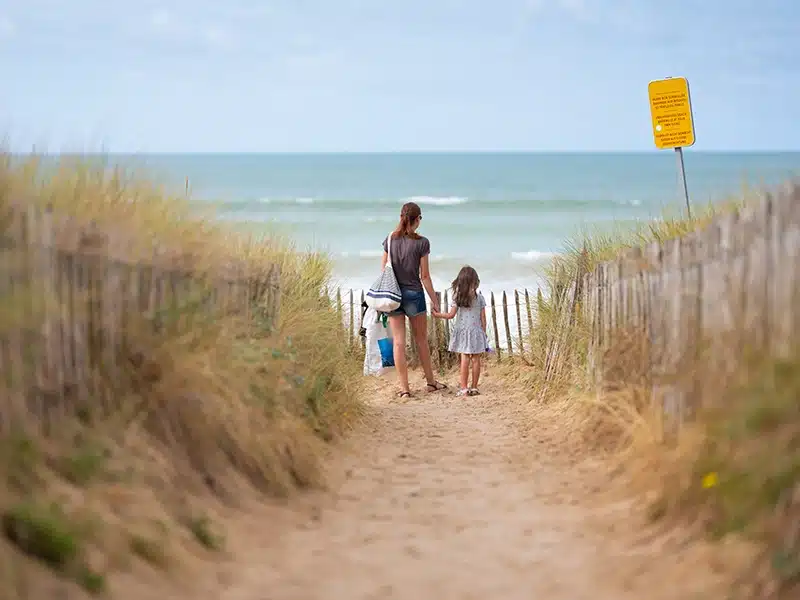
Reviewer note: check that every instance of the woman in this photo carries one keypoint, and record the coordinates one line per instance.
(410, 253)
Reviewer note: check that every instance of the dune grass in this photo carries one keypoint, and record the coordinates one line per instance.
(232, 407)
(734, 470)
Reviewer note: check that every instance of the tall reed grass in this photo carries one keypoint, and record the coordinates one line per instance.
(232, 408)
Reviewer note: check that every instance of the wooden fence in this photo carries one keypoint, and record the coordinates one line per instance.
(510, 318)
(731, 287)
(76, 316)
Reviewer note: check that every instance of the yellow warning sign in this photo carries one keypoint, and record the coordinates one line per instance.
(671, 112)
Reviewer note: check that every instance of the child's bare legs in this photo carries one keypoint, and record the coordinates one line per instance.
(475, 359)
(467, 361)
(464, 372)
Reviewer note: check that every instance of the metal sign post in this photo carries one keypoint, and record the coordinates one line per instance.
(673, 125)
(682, 173)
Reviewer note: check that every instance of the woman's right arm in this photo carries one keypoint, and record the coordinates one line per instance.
(385, 257)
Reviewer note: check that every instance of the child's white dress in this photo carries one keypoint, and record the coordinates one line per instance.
(467, 336)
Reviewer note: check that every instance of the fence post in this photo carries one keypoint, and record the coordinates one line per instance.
(339, 304)
(437, 338)
(508, 328)
(360, 312)
(446, 328)
(494, 327)
(519, 323)
(530, 317)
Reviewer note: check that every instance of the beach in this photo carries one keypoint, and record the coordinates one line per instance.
(504, 214)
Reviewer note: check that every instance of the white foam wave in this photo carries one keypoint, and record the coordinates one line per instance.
(531, 255)
(434, 258)
(266, 200)
(437, 200)
(370, 253)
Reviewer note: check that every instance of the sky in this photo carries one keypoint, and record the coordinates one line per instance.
(370, 75)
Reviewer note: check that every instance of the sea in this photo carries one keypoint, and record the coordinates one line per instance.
(504, 214)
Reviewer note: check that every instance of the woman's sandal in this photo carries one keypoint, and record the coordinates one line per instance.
(404, 394)
(436, 386)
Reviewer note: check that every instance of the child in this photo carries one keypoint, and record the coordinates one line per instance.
(468, 337)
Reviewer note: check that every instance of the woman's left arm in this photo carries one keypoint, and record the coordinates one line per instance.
(427, 282)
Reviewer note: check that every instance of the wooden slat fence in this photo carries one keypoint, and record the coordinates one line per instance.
(730, 288)
(514, 311)
(73, 312)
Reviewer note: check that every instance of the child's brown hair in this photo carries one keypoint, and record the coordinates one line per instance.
(465, 287)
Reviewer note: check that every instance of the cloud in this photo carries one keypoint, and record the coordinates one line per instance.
(161, 19)
(577, 10)
(216, 36)
(164, 23)
(312, 64)
(7, 27)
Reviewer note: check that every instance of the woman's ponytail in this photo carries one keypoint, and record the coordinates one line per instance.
(408, 216)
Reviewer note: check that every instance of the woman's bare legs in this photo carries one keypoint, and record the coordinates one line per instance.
(397, 324)
(419, 328)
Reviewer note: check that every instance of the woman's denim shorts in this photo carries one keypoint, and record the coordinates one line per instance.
(411, 304)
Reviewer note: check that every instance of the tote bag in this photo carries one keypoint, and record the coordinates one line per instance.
(384, 295)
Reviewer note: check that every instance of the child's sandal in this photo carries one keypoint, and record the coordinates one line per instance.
(404, 394)
(464, 392)
(473, 392)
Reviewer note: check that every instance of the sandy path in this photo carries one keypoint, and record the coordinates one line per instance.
(443, 498)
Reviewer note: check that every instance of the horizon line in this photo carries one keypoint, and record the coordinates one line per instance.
(654, 151)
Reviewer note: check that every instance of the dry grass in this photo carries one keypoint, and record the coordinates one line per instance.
(733, 472)
(230, 408)
(609, 242)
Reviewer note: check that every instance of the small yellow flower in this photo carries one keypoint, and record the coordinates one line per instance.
(710, 480)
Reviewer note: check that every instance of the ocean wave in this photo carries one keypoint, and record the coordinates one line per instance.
(437, 200)
(249, 204)
(385, 206)
(374, 219)
(629, 202)
(368, 253)
(372, 253)
(531, 255)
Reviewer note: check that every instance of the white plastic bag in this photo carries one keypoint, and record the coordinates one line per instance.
(375, 330)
